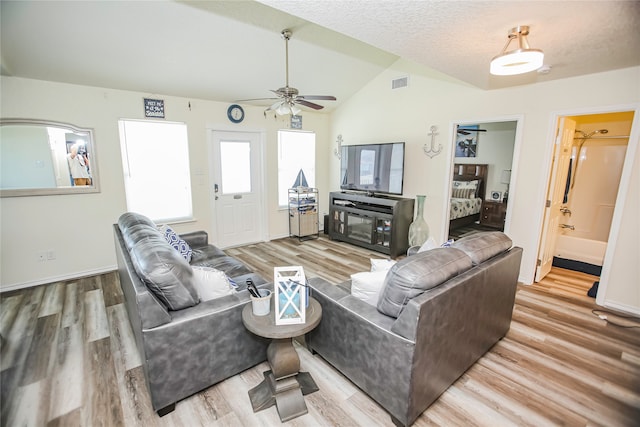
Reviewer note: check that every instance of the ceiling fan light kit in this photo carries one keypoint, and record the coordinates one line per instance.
(517, 61)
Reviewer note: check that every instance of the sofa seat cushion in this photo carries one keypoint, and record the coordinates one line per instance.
(413, 275)
(165, 272)
(482, 246)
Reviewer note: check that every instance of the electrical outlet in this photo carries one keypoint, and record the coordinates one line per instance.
(51, 255)
(41, 256)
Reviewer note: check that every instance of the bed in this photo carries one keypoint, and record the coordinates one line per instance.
(467, 194)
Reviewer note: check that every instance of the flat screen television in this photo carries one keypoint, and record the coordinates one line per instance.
(373, 168)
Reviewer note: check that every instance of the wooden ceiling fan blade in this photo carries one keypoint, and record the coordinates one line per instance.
(308, 104)
(317, 97)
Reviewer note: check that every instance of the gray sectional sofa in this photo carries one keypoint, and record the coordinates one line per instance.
(438, 312)
(186, 345)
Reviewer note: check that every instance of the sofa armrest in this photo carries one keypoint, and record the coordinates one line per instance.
(201, 346)
(196, 239)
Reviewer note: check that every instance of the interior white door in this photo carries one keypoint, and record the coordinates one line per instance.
(237, 188)
(554, 203)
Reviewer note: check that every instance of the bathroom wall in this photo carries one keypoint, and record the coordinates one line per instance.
(595, 181)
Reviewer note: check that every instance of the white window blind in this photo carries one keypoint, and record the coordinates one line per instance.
(155, 160)
(296, 152)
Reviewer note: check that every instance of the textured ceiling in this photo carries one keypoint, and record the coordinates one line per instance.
(230, 50)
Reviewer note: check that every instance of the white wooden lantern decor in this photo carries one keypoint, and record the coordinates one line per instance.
(289, 285)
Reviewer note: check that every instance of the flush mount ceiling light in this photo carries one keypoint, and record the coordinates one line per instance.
(520, 60)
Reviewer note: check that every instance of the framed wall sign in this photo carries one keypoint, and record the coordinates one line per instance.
(289, 285)
(296, 122)
(154, 108)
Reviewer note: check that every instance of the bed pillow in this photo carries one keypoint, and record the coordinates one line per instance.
(465, 189)
(366, 286)
(211, 283)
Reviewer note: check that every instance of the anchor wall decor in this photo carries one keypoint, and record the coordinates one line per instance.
(430, 150)
(338, 151)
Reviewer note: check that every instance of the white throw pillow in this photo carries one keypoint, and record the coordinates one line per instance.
(429, 244)
(381, 264)
(367, 285)
(211, 283)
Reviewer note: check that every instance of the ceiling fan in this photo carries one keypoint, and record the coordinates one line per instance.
(467, 131)
(288, 97)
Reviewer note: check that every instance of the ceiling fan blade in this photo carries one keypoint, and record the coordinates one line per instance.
(318, 97)
(470, 130)
(308, 104)
(256, 99)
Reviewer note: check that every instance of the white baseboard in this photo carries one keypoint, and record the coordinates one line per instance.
(62, 278)
(634, 311)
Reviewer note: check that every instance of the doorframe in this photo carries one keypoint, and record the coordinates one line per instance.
(623, 187)
(211, 155)
(517, 143)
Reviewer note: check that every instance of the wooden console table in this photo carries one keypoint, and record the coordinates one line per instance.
(284, 385)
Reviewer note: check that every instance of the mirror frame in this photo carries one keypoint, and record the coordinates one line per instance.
(93, 188)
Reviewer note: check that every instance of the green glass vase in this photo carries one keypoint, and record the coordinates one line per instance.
(419, 229)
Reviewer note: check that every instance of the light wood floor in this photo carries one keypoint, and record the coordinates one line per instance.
(68, 359)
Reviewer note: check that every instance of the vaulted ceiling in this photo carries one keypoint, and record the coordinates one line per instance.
(231, 50)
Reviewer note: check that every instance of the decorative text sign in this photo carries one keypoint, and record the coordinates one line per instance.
(154, 108)
(296, 122)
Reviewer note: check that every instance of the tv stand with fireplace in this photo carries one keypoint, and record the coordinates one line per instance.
(380, 223)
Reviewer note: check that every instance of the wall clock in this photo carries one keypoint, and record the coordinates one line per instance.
(235, 113)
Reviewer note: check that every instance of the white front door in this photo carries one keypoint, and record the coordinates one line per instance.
(237, 188)
(555, 195)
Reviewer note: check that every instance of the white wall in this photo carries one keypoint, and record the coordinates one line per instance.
(379, 113)
(78, 227)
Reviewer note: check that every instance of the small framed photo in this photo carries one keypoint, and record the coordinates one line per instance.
(495, 195)
(289, 285)
(467, 141)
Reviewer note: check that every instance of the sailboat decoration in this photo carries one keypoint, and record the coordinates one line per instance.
(301, 180)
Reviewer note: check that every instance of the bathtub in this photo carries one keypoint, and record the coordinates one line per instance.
(580, 249)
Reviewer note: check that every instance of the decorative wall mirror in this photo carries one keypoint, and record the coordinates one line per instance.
(41, 158)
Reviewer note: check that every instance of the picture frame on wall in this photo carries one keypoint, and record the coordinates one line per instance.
(467, 141)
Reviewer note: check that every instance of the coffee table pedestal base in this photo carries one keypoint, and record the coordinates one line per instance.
(286, 393)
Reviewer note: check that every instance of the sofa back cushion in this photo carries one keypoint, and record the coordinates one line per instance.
(165, 272)
(482, 246)
(415, 274)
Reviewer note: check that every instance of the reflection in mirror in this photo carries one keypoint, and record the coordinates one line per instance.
(40, 158)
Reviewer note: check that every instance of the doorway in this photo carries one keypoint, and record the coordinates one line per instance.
(237, 184)
(491, 162)
(582, 192)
